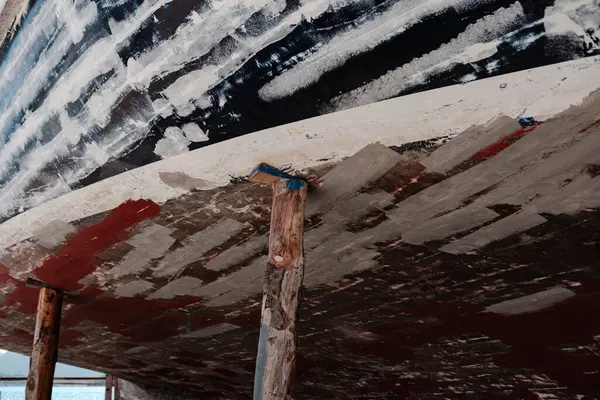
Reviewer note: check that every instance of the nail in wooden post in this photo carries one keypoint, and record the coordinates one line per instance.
(45, 345)
(276, 360)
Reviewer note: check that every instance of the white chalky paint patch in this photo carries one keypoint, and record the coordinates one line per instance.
(173, 143)
(533, 302)
(478, 41)
(194, 133)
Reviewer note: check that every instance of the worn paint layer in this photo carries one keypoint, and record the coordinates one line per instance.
(90, 89)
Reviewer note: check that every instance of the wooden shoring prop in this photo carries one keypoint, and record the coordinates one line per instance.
(45, 342)
(276, 359)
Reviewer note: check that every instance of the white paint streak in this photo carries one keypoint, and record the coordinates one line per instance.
(93, 130)
(478, 41)
(173, 143)
(197, 38)
(77, 15)
(576, 17)
(192, 39)
(364, 38)
(533, 302)
(193, 133)
(98, 59)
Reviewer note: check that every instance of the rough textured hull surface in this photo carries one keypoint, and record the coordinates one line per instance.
(475, 277)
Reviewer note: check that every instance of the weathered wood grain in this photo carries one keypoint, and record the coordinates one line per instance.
(276, 358)
(45, 345)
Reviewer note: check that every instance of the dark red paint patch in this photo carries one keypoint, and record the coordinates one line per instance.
(535, 338)
(123, 315)
(77, 257)
(249, 319)
(94, 358)
(204, 319)
(88, 294)
(417, 184)
(404, 388)
(158, 329)
(4, 274)
(21, 338)
(69, 338)
(502, 144)
(525, 394)
(398, 177)
(584, 130)
(24, 297)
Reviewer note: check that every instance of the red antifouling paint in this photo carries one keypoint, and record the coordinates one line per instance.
(4, 274)
(77, 257)
(506, 141)
(584, 130)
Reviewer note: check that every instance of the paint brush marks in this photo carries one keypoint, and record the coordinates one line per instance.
(89, 89)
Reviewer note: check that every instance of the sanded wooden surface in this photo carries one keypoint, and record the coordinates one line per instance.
(276, 359)
(45, 345)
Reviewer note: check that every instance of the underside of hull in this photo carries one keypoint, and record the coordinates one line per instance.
(451, 236)
(438, 268)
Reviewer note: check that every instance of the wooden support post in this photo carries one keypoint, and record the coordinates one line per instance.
(45, 345)
(108, 387)
(117, 388)
(276, 360)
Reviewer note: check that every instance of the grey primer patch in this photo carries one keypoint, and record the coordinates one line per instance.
(184, 286)
(457, 221)
(149, 244)
(510, 225)
(211, 331)
(462, 147)
(137, 350)
(133, 288)
(54, 234)
(196, 245)
(366, 166)
(237, 254)
(533, 302)
(184, 181)
(228, 290)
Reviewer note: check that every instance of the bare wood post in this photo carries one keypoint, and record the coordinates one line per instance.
(117, 389)
(45, 344)
(276, 359)
(108, 387)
